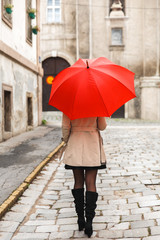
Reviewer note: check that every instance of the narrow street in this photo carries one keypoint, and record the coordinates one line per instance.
(128, 206)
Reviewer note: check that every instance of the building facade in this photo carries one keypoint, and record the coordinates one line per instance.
(20, 70)
(127, 32)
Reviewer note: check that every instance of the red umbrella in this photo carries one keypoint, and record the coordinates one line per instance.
(92, 88)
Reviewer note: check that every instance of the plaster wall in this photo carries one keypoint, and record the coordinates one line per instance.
(15, 37)
(1, 116)
(22, 82)
(100, 32)
(60, 37)
(150, 33)
(150, 103)
(150, 81)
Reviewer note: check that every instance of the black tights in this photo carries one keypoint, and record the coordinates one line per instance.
(88, 177)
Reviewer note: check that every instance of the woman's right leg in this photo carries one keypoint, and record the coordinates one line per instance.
(90, 179)
(91, 199)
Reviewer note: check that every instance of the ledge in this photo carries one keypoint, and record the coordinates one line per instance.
(15, 56)
(117, 18)
(148, 82)
(116, 47)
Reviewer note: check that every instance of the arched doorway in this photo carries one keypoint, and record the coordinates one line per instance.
(51, 66)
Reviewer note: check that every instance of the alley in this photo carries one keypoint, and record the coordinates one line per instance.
(129, 193)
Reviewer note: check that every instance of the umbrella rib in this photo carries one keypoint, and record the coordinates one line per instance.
(114, 79)
(101, 96)
(75, 98)
(68, 79)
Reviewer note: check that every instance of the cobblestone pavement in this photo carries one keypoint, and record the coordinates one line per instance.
(129, 194)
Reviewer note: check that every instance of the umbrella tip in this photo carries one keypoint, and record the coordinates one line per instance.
(87, 64)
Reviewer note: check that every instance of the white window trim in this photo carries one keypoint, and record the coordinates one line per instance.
(118, 43)
(53, 7)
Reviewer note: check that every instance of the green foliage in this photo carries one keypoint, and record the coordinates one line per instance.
(32, 10)
(44, 122)
(8, 6)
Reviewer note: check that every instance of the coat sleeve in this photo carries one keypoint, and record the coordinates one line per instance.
(101, 122)
(66, 128)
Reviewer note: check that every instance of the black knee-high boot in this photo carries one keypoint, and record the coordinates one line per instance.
(91, 199)
(78, 195)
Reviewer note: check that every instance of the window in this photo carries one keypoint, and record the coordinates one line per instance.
(53, 11)
(29, 110)
(7, 18)
(116, 36)
(117, 1)
(28, 22)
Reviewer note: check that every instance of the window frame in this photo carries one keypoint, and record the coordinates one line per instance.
(53, 7)
(122, 42)
(4, 15)
(28, 23)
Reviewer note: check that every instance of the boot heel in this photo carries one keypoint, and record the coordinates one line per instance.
(88, 229)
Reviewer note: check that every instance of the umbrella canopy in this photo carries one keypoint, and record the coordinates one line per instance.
(92, 88)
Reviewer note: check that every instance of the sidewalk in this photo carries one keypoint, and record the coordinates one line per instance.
(21, 154)
(129, 193)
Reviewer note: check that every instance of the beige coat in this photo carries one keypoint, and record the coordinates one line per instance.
(84, 144)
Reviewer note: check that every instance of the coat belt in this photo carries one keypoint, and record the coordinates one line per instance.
(84, 129)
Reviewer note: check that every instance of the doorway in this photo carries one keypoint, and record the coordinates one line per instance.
(52, 66)
(7, 111)
(29, 110)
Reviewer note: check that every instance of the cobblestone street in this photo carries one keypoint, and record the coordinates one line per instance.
(128, 206)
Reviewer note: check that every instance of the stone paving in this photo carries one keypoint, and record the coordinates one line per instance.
(129, 194)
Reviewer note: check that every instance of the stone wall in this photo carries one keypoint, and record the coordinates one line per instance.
(22, 82)
(15, 37)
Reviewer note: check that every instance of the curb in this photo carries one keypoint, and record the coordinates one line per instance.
(11, 200)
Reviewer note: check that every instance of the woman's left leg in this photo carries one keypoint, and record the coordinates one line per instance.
(78, 194)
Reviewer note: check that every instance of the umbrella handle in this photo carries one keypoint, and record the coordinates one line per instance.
(87, 64)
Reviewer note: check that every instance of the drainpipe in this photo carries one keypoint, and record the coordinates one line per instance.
(157, 71)
(77, 34)
(90, 29)
(143, 41)
(39, 78)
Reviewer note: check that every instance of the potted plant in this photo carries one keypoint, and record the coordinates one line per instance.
(35, 29)
(8, 8)
(31, 13)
